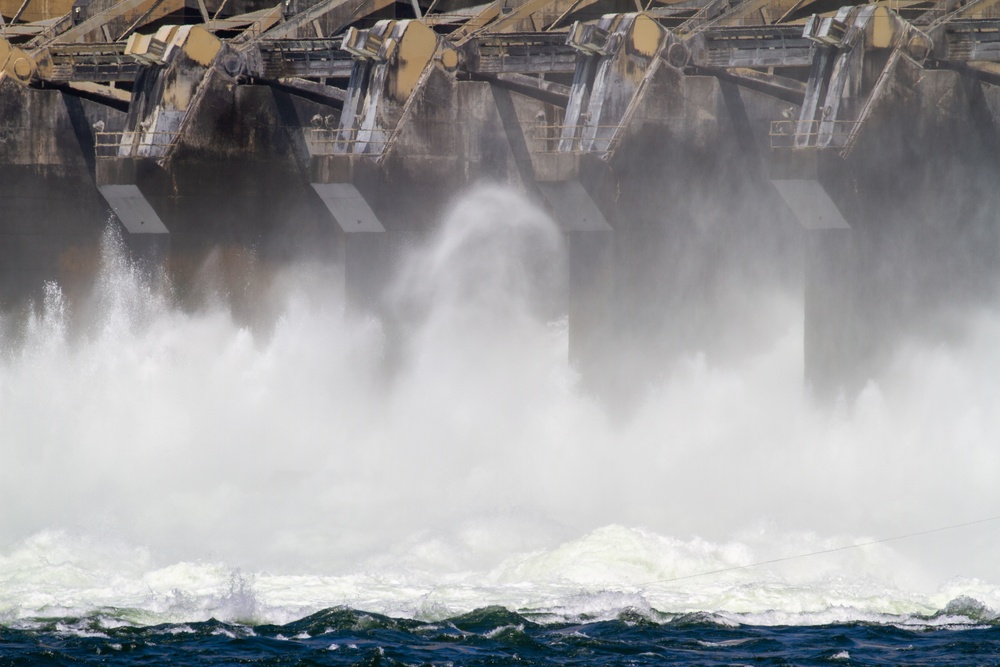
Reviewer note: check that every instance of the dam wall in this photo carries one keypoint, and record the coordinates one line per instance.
(691, 152)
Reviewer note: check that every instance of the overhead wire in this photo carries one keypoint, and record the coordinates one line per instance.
(846, 547)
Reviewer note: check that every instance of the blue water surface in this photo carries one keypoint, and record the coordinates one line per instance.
(492, 636)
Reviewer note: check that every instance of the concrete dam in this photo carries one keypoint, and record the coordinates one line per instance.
(683, 146)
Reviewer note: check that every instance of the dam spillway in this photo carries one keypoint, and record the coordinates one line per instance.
(677, 144)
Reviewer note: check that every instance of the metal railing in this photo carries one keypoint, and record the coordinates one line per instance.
(332, 141)
(109, 145)
(582, 138)
(812, 133)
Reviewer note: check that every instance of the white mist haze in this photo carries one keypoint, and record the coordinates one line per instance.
(148, 453)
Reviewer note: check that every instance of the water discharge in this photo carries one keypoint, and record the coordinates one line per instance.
(181, 463)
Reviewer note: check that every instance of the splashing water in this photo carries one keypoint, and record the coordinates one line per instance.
(179, 464)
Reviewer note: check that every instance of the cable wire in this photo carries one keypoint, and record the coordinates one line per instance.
(826, 551)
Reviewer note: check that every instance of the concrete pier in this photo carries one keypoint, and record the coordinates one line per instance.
(691, 151)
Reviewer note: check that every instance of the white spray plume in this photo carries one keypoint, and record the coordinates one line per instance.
(479, 468)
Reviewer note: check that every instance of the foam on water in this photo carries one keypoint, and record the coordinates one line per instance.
(162, 463)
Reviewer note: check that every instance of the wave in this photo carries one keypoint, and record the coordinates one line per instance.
(613, 573)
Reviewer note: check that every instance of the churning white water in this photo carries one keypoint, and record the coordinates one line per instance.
(180, 464)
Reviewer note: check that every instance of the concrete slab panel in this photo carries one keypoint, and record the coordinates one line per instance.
(349, 207)
(811, 204)
(573, 207)
(133, 209)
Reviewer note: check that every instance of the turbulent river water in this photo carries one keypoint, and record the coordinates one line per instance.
(183, 483)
